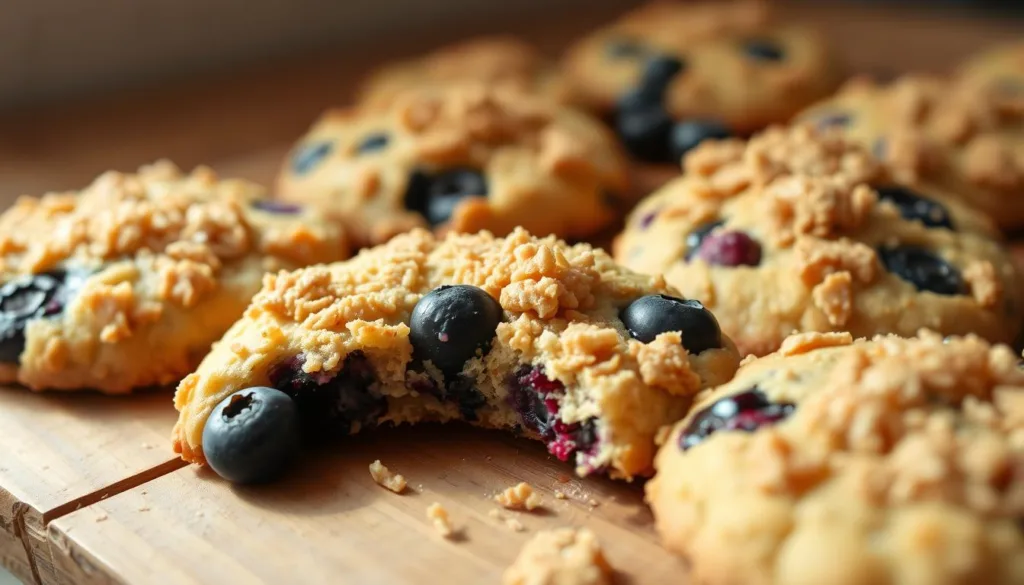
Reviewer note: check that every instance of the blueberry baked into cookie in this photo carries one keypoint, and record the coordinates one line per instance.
(495, 61)
(802, 230)
(964, 137)
(127, 282)
(882, 462)
(552, 341)
(671, 74)
(462, 158)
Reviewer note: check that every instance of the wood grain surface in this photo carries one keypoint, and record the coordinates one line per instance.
(61, 456)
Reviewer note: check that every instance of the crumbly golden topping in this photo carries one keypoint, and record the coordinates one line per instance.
(565, 556)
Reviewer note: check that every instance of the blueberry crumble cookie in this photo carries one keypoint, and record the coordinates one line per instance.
(882, 462)
(552, 341)
(963, 136)
(495, 60)
(802, 230)
(671, 74)
(463, 158)
(127, 282)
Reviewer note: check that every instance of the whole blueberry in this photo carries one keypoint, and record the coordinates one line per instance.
(688, 134)
(308, 156)
(651, 315)
(914, 207)
(252, 435)
(922, 268)
(645, 132)
(435, 195)
(763, 50)
(29, 297)
(451, 324)
(695, 238)
(373, 142)
(744, 411)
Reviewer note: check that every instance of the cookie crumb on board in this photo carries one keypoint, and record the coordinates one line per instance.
(439, 516)
(385, 478)
(565, 556)
(519, 497)
(510, 523)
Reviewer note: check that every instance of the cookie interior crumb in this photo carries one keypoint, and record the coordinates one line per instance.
(565, 556)
(385, 478)
(519, 497)
(439, 516)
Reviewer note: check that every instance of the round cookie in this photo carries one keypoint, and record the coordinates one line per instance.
(960, 137)
(999, 70)
(462, 158)
(671, 74)
(882, 462)
(495, 61)
(539, 343)
(127, 282)
(801, 230)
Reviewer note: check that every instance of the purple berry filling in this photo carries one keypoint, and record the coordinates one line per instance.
(730, 249)
(461, 390)
(746, 411)
(332, 404)
(535, 397)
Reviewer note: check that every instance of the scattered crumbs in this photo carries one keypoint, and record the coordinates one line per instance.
(102, 518)
(439, 516)
(566, 556)
(519, 497)
(560, 495)
(510, 523)
(593, 503)
(384, 478)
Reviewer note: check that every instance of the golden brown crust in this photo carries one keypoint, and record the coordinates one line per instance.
(165, 260)
(534, 155)
(902, 461)
(561, 306)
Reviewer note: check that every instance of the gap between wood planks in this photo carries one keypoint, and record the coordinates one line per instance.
(30, 521)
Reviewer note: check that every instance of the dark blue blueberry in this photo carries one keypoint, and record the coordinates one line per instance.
(252, 435)
(451, 324)
(913, 207)
(373, 142)
(278, 207)
(922, 268)
(436, 196)
(651, 315)
(624, 48)
(28, 297)
(746, 411)
(834, 120)
(332, 404)
(764, 50)
(688, 134)
(535, 397)
(309, 155)
(695, 238)
(646, 133)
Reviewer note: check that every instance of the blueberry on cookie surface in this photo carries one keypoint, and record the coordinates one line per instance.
(880, 462)
(519, 333)
(671, 74)
(461, 158)
(127, 282)
(963, 136)
(801, 229)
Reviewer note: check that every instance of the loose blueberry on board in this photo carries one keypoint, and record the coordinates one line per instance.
(923, 269)
(435, 196)
(252, 435)
(332, 404)
(31, 297)
(914, 207)
(746, 411)
(651, 315)
(764, 50)
(645, 132)
(731, 248)
(309, 156)
(623, 48)
(695, 238)
(373, 143)
(688, 134)
(451, 323)
(276, 207)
